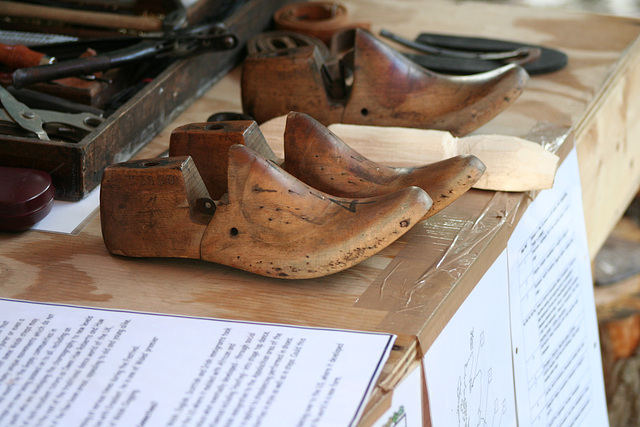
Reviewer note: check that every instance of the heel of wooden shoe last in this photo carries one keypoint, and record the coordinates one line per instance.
(154, 208)
(208, 145)
(264, 96)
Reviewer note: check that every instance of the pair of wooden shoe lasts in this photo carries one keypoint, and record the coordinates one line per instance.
(322, 210)
(361, 80)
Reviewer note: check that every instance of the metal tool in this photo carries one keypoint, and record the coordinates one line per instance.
(22, 115)
(28, 38)
(44, 122)
(167, 45)
(519, 55)
(460, 55)
(47, 101)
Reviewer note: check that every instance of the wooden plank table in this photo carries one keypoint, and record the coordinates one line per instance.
(594, 102)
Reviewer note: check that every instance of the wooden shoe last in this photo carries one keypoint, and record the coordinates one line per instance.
(364, 81)
(316, 156)
(269, 223)
(278, 226)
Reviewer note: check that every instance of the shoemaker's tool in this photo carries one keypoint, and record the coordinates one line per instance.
(22, 115)
(18, 56)
(30, 38)
(461, 55)
(57, 11)
(168, 45)
(364, 81)
(43, 123)
(320, 159)
(512, 163)
(26, 197)
(268, 223)
(46, 101)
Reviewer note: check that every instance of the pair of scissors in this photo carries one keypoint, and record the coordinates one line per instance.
(36, 120)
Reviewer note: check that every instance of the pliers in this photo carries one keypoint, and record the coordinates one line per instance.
(42, 123)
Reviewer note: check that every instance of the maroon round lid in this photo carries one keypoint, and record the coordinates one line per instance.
(26, 196)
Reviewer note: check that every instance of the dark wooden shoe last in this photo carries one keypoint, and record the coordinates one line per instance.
(364, 81)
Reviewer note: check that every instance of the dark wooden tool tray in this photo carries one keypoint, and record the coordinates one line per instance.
(76, 168)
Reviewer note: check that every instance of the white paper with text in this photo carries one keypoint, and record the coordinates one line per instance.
(555, 344)
(63, 365)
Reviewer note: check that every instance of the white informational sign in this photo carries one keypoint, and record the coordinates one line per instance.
(68, 366)
(468, 367)
(525, 341)
(554, 330)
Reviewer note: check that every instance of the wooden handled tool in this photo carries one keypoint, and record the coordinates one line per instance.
(512, 163)
(19, 56)
(79, 17)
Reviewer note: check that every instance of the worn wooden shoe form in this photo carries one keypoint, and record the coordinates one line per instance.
(270, 223)
(316, 156)
(364, 81)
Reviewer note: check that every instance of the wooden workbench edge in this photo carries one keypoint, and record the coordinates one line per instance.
(608, 149)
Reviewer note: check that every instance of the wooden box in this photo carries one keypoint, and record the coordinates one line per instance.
(76, 168)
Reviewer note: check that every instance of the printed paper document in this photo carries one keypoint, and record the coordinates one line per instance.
(64, 365)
